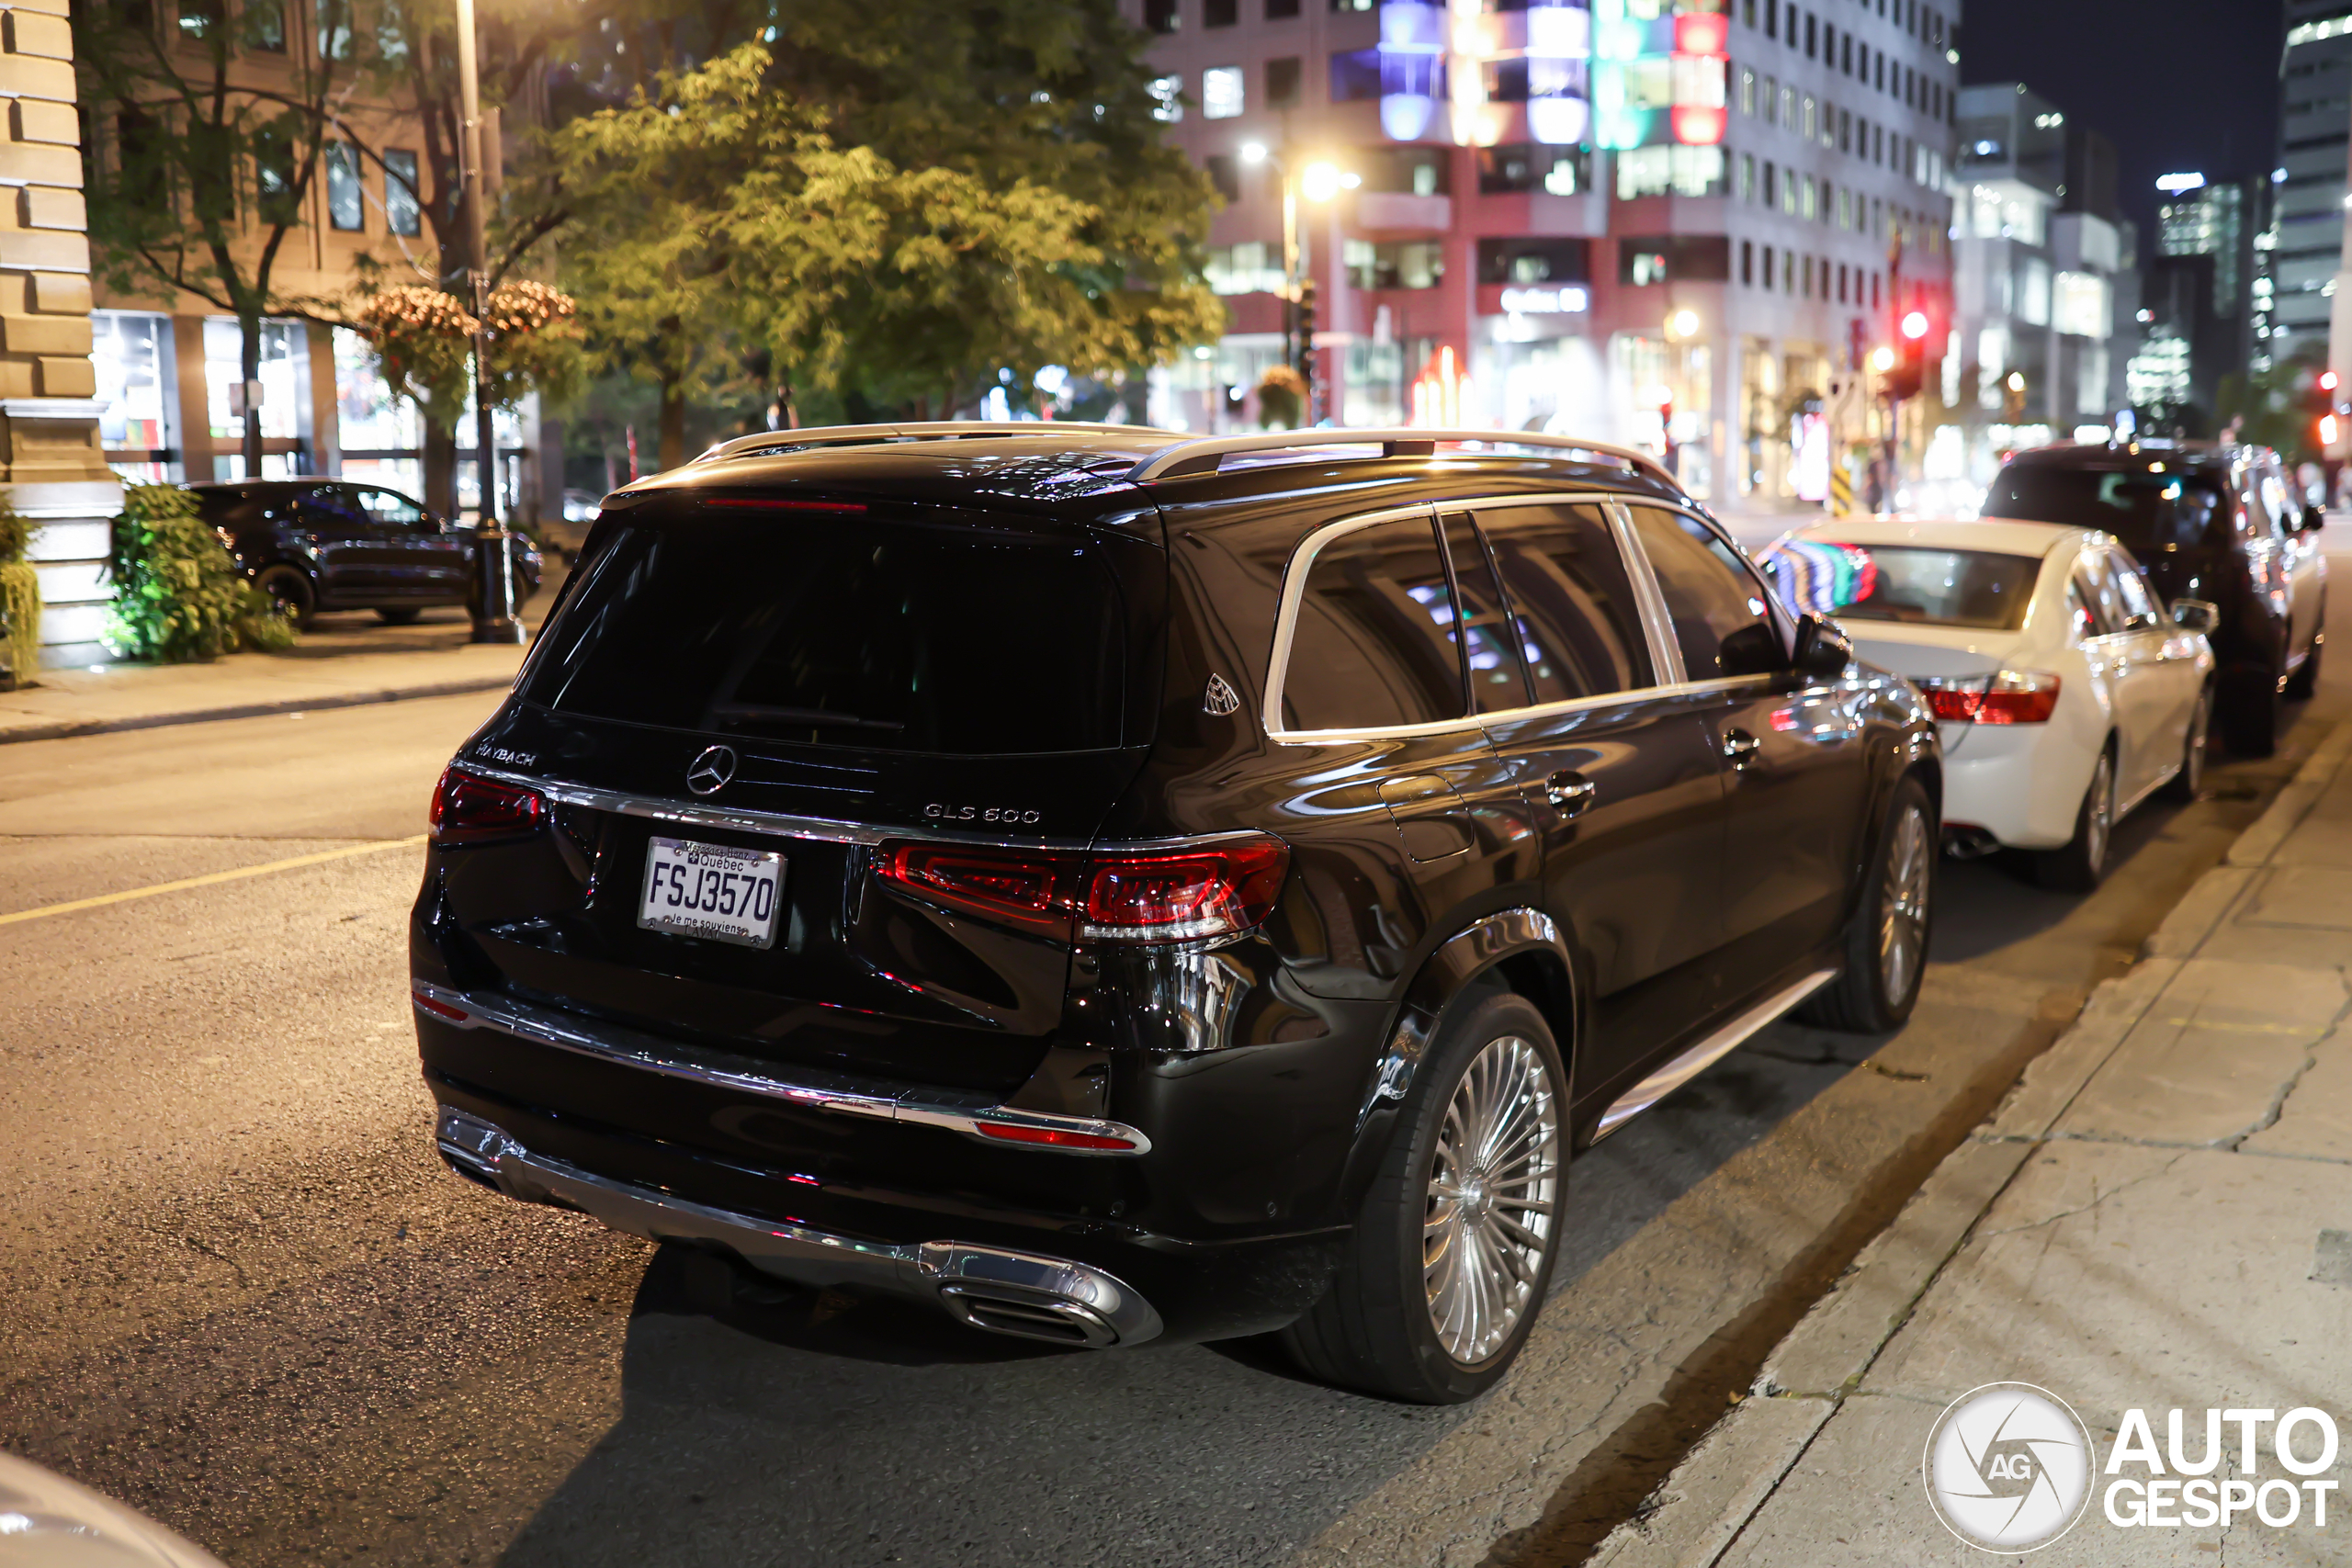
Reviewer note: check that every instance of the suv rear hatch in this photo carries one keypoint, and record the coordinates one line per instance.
(866, 673)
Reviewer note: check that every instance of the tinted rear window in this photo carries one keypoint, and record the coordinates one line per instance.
(1886, 582)
(2146, 511)
(831, 631)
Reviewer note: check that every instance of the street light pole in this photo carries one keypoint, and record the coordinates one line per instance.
(494, 605)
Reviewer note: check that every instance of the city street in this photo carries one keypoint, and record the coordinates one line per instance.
(239, 1290)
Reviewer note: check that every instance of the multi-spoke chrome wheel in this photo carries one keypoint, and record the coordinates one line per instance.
(1903, 903)
(1493, 1199)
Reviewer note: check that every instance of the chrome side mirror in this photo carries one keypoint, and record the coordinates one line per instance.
(2196, 615)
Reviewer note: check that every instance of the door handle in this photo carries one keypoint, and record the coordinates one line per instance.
(1739, 746)
(1569, 793)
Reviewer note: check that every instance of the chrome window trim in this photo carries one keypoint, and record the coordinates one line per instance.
(1664, 655)
(719, 1069)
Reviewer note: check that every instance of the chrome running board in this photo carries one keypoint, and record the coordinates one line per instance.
(992, 1288)
(1705, 1054)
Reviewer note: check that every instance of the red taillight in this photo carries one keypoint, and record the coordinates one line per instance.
(468, 809)
(2013, 696)
(1181, 895)
(1054, 1137)
(1162, 895)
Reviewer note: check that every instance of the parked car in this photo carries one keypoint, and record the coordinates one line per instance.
(315, 545)
(2065, 690)
(2213, 523)
(46, 1521)
(1118, 886)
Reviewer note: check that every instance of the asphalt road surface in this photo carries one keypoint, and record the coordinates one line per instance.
(238, 1291)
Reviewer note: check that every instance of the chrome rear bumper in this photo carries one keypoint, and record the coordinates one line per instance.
(988, 1286)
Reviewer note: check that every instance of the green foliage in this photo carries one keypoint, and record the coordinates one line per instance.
(19, 597)
(16, 533)
(178, 595)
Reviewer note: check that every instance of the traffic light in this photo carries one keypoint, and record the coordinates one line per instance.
(1310, 412)
(1909, 372)
(2325, 426)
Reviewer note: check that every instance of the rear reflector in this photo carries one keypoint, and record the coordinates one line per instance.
(1160, 896)
(1055, 1137)
(2013, 696)
(440, 1009)
(469, 809)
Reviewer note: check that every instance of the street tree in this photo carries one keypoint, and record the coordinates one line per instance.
(204, 164)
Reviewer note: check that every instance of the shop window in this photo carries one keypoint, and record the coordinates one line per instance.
(1681, 258)
(131, 352)
(1521, 260)
(381, 436)
(403, 211)
(285, 380)
(1283, 77)
(346, 197)
(1416, 263)
(1530, 167)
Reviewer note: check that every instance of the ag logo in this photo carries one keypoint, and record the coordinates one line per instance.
(2008, 1467)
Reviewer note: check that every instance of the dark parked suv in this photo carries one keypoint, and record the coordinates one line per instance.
(316, 545)
(2214, 523)
(1120, 886)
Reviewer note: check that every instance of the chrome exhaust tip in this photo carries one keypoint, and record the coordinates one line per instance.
(1970, 843)
(1049, 1318)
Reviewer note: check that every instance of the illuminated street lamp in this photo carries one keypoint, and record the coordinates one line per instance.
(1317, 182)
(1683, 323)
(1882, 360)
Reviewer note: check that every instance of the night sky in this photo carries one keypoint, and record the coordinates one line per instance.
(2176, 85)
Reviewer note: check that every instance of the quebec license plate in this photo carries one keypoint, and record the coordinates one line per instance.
(712, 890)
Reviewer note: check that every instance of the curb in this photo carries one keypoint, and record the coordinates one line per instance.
(61, 729)
(1697, 1514)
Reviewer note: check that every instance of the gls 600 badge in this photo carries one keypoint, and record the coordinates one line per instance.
(1010, 815)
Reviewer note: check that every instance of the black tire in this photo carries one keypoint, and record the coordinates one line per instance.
(2250, 715)
(2077, 867)
(2305, 681)
(1886, 945)
(291, 587)
(1377, 1328)
(2187, 783)
(404, 616)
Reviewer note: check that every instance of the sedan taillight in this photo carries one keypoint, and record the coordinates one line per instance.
(2012, 696)
(469, 809)
(1178, 894)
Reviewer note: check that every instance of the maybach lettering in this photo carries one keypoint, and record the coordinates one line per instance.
(2177, 1490)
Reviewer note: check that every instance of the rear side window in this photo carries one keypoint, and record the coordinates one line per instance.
(1578, 623)
(1721, 617)
(1496, 684)
(1911, 583)
(818, 630)
(1375, 642)
(2139, 613)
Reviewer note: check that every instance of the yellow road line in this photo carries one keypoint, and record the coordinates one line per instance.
(209, 878)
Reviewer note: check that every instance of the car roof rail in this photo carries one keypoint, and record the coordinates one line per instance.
(880, 435)
(1188, 459)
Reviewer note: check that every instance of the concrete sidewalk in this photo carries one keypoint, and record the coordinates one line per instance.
(2157, 1218)
(348, 660)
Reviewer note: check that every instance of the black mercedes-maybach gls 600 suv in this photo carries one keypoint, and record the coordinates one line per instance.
(1123, 887)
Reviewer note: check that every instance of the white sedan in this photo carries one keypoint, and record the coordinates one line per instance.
(2067, 692)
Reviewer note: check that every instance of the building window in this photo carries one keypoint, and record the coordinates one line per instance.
(1830, 45)
(331, 20)
(1352, 4)
(1678, 258)
(346, 198)
(1874, 291)
(1809, 199)
(1845, 132)
(1356, 75)
(1283, 77)
(1281, 10)
(1748, 261)
(1535, 261)
(1746, 91)
(1771, 18)
(1221, 92)
(1846, 55)
(1748, 12)
(1413, 264)
(1249, 267)
(1811, 36)
(1224, 175)
(1519, 167)
(404, 209)
(1220, 13)
(1772, 184)
(264, 26)
(1748, 176)
(1842, 283)
(1161, 15)
(1811, 112)
(1167, 98)
(1670, 171)
(201, 21)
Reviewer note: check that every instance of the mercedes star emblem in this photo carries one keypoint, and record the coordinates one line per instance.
(711, 770)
